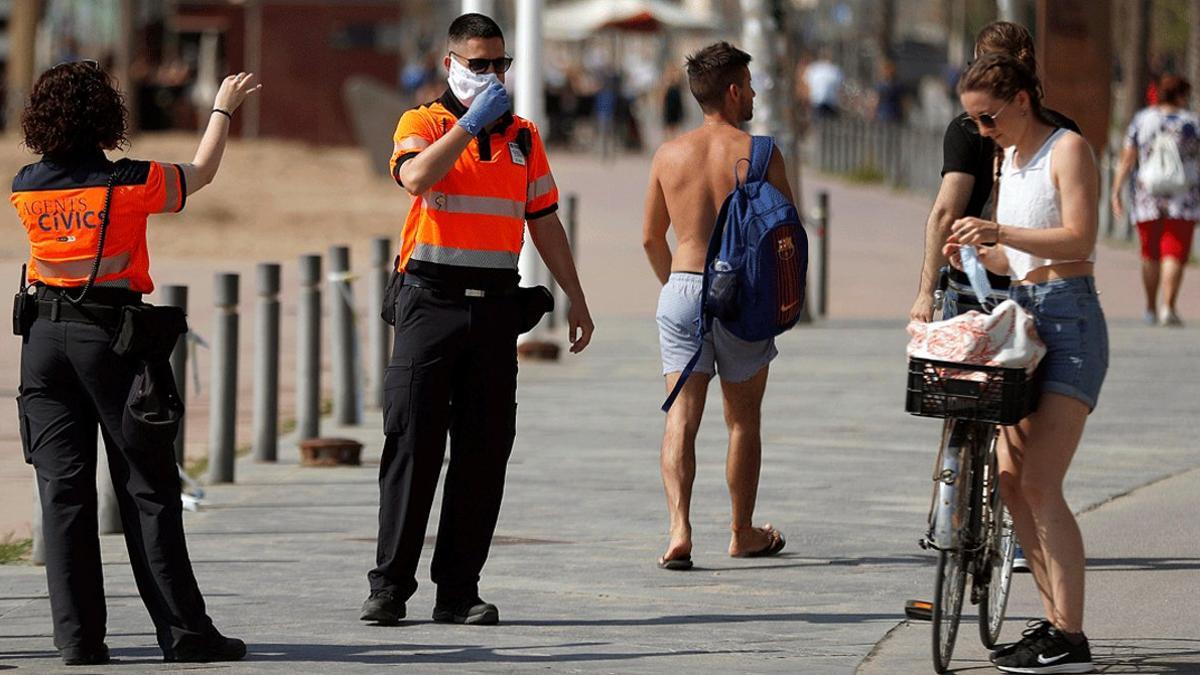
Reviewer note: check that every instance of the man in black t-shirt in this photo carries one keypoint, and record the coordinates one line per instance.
(968, 175)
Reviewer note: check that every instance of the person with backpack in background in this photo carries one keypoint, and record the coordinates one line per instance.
(1162, 153)
(690, 178)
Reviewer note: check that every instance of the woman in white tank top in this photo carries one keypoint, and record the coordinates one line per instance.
(1044, 238)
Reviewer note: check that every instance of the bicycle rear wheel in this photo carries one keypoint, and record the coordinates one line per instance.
(998, 571)
(954, 559)
(947, 605)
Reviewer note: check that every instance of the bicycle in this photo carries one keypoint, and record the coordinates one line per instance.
(968, 524)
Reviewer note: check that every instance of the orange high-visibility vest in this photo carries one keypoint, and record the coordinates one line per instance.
(61, 205)
(475, 216)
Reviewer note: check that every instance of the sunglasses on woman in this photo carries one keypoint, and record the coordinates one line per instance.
(988, 120)
(480, 66)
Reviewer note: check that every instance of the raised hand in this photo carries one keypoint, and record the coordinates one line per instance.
(234, 89)
(487, 107)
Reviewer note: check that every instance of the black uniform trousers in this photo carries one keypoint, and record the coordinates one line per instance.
(453, 369)
(71, 382)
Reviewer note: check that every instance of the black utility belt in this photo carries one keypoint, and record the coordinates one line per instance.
(454, 291)
(61, 310)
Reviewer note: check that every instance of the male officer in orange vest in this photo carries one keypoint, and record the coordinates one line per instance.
(477, 175)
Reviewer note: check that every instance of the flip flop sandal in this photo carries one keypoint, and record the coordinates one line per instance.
(676, 565)
(776, 545)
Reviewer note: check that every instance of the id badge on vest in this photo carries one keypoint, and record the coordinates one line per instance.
(518, 155)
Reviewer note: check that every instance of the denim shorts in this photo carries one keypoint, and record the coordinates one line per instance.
(1069, 320)
(734, 359)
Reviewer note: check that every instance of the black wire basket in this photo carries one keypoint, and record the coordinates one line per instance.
(970, 392)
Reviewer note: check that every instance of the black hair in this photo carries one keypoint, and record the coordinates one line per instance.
(470, 26)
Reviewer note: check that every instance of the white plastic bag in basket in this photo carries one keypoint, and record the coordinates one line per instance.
(1007, 338)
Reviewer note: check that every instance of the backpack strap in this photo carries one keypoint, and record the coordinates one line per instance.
(714, 247)
(761, 149)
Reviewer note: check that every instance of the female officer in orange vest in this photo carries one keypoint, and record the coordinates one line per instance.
(72, 382)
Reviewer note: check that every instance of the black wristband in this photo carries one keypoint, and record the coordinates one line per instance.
(223, 112)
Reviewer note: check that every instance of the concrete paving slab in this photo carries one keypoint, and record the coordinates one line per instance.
(282, 555)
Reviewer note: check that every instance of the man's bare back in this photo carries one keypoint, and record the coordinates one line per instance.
(690, 178)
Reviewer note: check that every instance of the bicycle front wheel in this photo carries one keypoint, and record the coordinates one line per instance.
(999, 561)
(947, 605)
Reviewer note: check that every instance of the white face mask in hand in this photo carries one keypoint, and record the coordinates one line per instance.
(466, 85)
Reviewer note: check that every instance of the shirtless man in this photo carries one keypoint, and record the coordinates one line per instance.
(690, 177)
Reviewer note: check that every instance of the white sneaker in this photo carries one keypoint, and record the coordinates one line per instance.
(1020, 564)
(1170, 318)
(1150, 318)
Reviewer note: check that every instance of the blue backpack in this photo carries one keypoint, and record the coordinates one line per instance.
(757, 262)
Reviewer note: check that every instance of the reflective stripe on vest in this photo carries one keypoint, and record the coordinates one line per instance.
(464, 257)
(540, 187)
(474, 205)
(80, 269)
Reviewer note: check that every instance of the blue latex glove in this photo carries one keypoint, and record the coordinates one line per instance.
(977, 273)
(487, 107)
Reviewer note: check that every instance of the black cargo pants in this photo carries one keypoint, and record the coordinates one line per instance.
(71, 382)
(453, 369)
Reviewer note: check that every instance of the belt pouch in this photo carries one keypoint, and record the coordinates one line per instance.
(391, 294)
(24, 312)
(153, 410)
(533, 303)
(148, 332)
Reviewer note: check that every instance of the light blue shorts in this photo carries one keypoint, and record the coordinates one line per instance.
(1069, 320)
(735, 359)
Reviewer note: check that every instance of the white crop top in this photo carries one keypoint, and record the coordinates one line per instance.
(1029, 199)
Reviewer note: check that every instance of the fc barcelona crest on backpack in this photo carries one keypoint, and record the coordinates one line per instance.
(757, 262)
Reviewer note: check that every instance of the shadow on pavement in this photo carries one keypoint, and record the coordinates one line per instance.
(409, 654)
(701, 619)
(1142, 564)
(787, 560)
(1147, 655)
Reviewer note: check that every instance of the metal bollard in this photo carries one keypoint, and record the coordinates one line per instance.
(823, 253)
(223, 388)
(108, 511)
(308, 343)
(177, 296)
(266, 364)
(343, 349)
(378, 333)
(37, 553)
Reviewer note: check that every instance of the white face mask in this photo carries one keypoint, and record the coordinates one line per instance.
(466, 85)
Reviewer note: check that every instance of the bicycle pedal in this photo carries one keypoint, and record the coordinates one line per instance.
(919, 610)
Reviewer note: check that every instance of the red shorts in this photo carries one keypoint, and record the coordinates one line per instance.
(1166, 238)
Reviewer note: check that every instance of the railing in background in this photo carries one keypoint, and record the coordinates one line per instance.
(897, 155)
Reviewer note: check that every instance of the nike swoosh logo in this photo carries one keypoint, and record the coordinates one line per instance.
(1047, 661)
(790, 305)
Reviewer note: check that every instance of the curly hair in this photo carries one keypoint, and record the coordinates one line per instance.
(74, 108)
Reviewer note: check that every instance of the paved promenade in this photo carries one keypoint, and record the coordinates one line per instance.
(282, 554)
